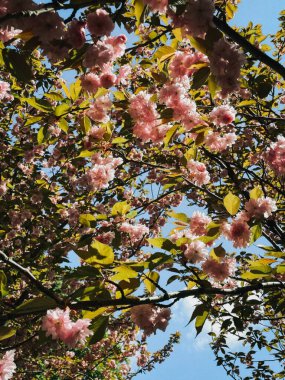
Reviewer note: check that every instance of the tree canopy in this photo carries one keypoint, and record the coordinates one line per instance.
(119, 119)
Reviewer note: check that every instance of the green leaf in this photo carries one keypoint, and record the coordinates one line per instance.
(200, 77)
(98, 253)
(124, 272)
(85, 219)
(39, 104)
(256, 233)
(3, 284)
(17, 64)
(163, 243)
(180, 216)
(61, 109)
(256, 193)
(63, 125)
(139, 8)
(169, 134)
(231, 203)
(41, 135)
(213, 86)
(200, 313)
(75, 90)
(99, 327)
(150, 286)
(120, 208)
(6, 332)
(36, 304)
(164, 52)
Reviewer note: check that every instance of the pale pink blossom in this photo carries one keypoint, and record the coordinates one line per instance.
(149, 318)
(7, 365)
(157, 5)
(195, 251)
(58, 325)
(219, 270)
(100, 23)
(225, 63)
(90, 82)
(8, 33)
(76, 34)
(181, 63)
(108, 79)
(124, 72)
(197, 17)
(218, 143)
(98, 110)
(222, 115)
(48, 26)
(260, 208)
(4, 89)
(198, 172)
(199, 223)
(136, 232)
(238, 232)
(275, 156)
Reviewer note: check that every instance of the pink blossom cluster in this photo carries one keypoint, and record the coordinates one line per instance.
(100, 23)
(147, 126)
(198, 173)
(98, 110)
(175, 96)
(195, 251)
(150, 318)
(219, 270)
(157, 5)
(260, 208)
(199, 223)
(105, 51)
(8, 33)
(222, 115)
(197, 17)
(219, 143)
(7, 365)
(136, 232)
(225, 63)
(181, 63)
(58, 325)
(238, 232)
(103, 171)
(275, 156)
(5, 91)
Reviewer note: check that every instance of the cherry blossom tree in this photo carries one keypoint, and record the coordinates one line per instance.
(172, 117)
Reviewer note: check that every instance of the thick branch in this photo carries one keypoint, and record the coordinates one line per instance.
(30, 276)
(247, 46)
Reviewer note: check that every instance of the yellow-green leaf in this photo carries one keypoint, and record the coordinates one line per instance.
(256, 193)
(6, 332)
(121, 208)
(231, 203)
(150, 285)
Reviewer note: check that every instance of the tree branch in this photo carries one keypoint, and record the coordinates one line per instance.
(248, 47)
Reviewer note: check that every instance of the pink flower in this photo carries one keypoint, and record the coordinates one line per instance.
(90, 82)
(260, 208)
(157, 5)
(100, 23)
(8, 33)
(76, 34)
(195, 251)
(7, 365)
(4, 89)
(150, 318)
(238, 232)
(181, 63)
(275, 156)
(57, 323)
(219, 270)
(124, 72)
(48, 26)
(198, 223)
(98, 54)
(136, 232)
(198, 173)
(78, 333)
(197, 17)
(222, 115)
(108, 79)
(215, 142)
(98, 109)
(118, 44)
(225, 63)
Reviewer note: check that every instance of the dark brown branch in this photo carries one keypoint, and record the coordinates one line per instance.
(248, 47)
(30, 276)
